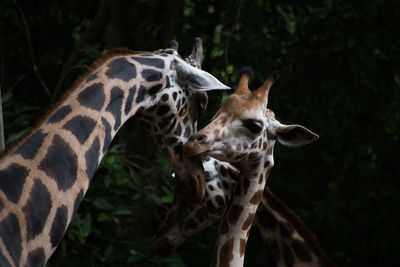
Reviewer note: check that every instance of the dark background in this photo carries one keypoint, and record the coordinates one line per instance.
(340, 77)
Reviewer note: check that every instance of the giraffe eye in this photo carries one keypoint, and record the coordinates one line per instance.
(254, 126)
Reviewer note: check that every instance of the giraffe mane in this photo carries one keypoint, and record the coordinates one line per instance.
(308, 236)
(95, 65)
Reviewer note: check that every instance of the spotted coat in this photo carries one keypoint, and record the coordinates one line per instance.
(45, 175)
(185, 218)
(243, 133)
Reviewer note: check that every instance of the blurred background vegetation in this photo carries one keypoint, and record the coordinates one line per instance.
(340, 76)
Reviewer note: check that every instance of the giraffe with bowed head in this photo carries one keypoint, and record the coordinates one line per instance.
(278, 226)
(45, 175)
(243, 133)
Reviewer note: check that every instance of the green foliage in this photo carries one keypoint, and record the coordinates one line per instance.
(340, 68)
(17, 116)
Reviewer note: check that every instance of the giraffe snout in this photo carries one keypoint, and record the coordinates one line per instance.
(196, 146)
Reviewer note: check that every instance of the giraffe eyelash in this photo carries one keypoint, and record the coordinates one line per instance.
(254, 126)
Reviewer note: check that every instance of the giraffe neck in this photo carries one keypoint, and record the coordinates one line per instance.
(235, 227)
(44, 178)
(172, 129)
(185, 218)
(286, 240)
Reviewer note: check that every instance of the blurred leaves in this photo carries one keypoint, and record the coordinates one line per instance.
(17, 116)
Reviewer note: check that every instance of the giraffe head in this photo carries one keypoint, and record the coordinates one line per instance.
(171, 118)
(244, 129)
(184, 218)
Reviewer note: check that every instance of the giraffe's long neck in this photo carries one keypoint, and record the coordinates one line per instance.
(286, 240)
(44, 178)
(235, 227)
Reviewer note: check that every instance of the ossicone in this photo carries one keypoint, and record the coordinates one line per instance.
(246, 70)
(174, 45)
(263, 91)
(274, 76)
(245, 74)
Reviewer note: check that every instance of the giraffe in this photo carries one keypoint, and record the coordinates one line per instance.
(286, 240)
(277, 225)
(45, 175)
(185, 107)
(244, 132)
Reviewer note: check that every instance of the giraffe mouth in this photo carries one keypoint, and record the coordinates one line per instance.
(194, 149)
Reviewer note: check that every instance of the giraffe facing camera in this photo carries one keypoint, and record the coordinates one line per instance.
(243, 133)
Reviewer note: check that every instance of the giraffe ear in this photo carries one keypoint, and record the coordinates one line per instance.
(294, 135)
(196, 79)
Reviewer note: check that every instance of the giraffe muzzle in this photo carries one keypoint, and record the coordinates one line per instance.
(197, 146)
(193, 149)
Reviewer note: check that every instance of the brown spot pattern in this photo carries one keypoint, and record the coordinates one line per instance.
(234, 213)
(260, 180)
(224, 229)
(266, 163)
(225, 254)
(242, 246)
(255, 199)
(248, 222)
(265, 145)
